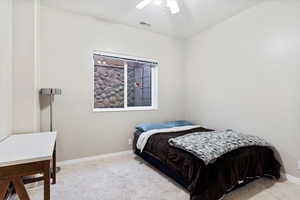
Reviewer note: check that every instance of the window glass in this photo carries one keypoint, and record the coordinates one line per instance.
(139, 84)
(122, 83)
(108, 83)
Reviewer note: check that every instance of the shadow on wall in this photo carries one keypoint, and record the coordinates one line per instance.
(45, 102)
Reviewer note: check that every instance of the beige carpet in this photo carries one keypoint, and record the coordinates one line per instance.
(128, 178)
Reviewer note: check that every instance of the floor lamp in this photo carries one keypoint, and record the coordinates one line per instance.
(51, 92)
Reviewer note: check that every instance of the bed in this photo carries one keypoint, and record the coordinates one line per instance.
(212, 181)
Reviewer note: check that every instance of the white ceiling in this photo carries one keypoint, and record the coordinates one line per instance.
(194, 17)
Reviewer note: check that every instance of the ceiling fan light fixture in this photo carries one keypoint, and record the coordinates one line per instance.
(158, 2)
(173, 5)
(143, 4)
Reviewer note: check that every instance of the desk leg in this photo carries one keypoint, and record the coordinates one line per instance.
(3, 188)
(47, 181)
(20, 188)
(54, 166)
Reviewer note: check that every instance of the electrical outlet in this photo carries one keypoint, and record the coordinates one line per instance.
(130, 141)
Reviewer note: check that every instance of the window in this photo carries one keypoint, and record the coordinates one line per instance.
(124, 83)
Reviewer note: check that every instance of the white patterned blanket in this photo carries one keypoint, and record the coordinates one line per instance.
(208, 146)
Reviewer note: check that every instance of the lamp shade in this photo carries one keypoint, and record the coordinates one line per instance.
(50, 91)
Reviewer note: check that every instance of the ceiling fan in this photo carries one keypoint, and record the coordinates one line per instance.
(171, 4)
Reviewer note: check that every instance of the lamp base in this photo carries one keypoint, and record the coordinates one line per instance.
(58, 169)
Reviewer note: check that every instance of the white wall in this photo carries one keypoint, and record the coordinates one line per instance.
(244, 74)
(25, 66)
(5, 67)
(67, 43)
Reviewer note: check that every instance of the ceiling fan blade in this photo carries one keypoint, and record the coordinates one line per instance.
(143, 4)
(173, 5)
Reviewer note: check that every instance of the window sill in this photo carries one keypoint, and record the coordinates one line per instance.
(125, 109)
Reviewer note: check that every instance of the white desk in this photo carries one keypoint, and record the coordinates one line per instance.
(26, 148)
(24, 155)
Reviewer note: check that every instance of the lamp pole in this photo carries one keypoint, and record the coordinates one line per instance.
(51, 92)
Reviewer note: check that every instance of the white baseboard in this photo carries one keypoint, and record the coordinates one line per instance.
(92, 158)
(292, 179)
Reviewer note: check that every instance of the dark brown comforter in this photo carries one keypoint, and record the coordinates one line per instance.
(213, 181)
